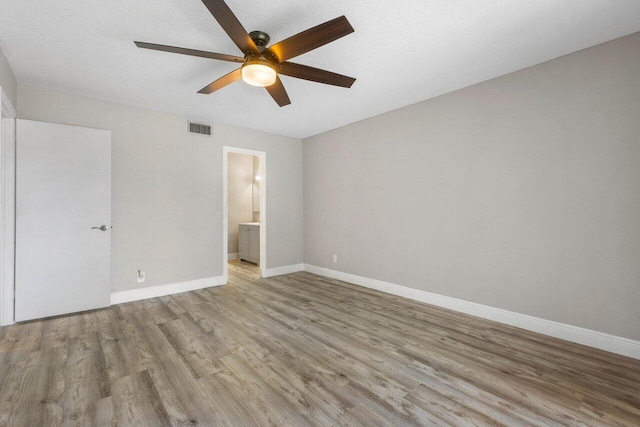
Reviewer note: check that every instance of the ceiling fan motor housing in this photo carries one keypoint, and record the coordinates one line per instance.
(260, 38)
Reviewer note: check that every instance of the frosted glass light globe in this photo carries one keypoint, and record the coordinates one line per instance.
(258, 73)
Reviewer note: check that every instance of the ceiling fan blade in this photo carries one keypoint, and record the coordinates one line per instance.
(222, 82)
(278, 93)
(191, 52)
(311, 39)
(315, 74)
(231, 25)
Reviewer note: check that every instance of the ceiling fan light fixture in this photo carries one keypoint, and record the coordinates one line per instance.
(259, 72)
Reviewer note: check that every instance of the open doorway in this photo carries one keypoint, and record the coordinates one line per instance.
(244, 230)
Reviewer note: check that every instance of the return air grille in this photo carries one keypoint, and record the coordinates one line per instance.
(199, 128)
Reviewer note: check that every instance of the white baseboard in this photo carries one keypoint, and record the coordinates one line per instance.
(286, 269)
(588, 337)
(168, 289)
(232, 256)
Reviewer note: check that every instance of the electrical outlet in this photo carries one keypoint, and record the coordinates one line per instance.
(335, 258)
(141, 276)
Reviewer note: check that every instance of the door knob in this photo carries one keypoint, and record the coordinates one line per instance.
(102, 227)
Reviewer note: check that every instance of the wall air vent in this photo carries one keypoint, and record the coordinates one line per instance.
(199, 128)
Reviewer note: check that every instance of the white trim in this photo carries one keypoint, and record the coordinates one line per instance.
(588, 337)
(285, 269)
(8, 111)
(225, 208)
(162, 290)
(232, 256)
(7, 208)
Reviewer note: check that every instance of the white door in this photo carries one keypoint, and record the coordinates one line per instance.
(63, 192)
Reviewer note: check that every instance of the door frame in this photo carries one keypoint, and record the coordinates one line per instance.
(225, 207)
(8, 208)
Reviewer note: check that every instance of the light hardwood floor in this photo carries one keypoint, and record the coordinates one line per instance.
(301, 349)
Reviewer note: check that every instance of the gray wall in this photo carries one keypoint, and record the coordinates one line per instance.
(8, 80)
(167, 187)
(239, 196)
(522, 192)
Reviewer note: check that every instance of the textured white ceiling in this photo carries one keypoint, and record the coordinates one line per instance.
(401, 52)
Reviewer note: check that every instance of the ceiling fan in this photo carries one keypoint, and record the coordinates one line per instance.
(261, 64)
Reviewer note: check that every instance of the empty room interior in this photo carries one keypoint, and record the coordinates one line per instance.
(324, 213)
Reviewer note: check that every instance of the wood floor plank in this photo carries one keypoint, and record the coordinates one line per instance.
(255, 382)
(86, 378)
(137, 402)
(501, 409)
(193, 350)
(447, 410)
(302, 349)
(99, 414)
(232, 402)
(307, 379)
(39, 399)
